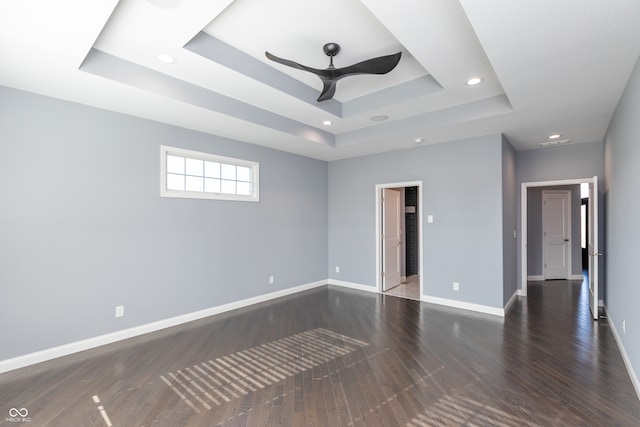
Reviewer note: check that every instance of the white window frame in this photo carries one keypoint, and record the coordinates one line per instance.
(190, 154)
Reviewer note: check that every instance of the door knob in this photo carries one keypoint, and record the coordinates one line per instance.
(566, 240)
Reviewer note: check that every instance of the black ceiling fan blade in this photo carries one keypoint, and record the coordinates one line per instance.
(328, 89)
(379, 65)
(330, 75)
(292, 64)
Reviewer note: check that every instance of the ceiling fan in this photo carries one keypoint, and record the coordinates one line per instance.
(331, 74)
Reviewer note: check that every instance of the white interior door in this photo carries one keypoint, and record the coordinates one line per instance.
(556, 234)
(391, 238)
(593, 247)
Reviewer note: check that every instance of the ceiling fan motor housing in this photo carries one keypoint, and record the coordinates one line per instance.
(331, 49)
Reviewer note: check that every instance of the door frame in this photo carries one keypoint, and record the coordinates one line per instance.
(568, 250)
(523, 221)
(378, 230)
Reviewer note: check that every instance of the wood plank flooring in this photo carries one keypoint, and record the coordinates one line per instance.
(339, 357)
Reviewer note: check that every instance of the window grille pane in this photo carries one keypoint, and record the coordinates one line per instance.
(211, 185)
(244, 174)
(194, 183)
(175, 164)
(212, 169)
(192, 174)
(229, 172)
(175, 182)
(228, 187)
(194, 167)
(244, 188)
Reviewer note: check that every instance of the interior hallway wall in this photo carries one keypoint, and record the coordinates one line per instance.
(509, 221)
(621, 184)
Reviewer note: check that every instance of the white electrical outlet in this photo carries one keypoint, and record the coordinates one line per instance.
(456, 286)
(337, 269)
(120, 311)
(271, 280)
(624, 326)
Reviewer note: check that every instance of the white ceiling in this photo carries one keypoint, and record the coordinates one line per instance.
(548, 66)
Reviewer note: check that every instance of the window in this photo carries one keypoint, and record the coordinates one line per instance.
(192, 174)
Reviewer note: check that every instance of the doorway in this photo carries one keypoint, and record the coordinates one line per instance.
(592, 237)
(399, 239)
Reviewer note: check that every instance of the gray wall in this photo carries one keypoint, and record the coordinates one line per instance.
(84, 229)
(564, 162)
(534, 229)
(509, 220)
(572, 161)
(462, 183)
(622, 180)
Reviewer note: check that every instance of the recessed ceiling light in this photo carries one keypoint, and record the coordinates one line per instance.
(167, 59)
(554, 136)
(379, 118)
(418, 140)
(474, 81)
(327, 122)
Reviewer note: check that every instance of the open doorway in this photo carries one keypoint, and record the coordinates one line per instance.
(399, 239)
(591, 235)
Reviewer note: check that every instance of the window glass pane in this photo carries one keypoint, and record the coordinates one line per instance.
(244, 174)
(244, 188)
(211, 185)
(194, 183)
(194, 167)
(175, 164)
(175, 182)
(228, 187)
(207, 176)
(229, 172)
(212, 169)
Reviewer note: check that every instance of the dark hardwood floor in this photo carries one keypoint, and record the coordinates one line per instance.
(338, 357)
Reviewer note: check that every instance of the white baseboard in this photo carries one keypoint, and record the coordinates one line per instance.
(75, 347)
(537, 278)
(351, 285)
(511, 301)
(440, 301)
(464, 305)
(625, 357)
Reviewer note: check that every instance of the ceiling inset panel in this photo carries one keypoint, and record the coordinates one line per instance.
(298, 30)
